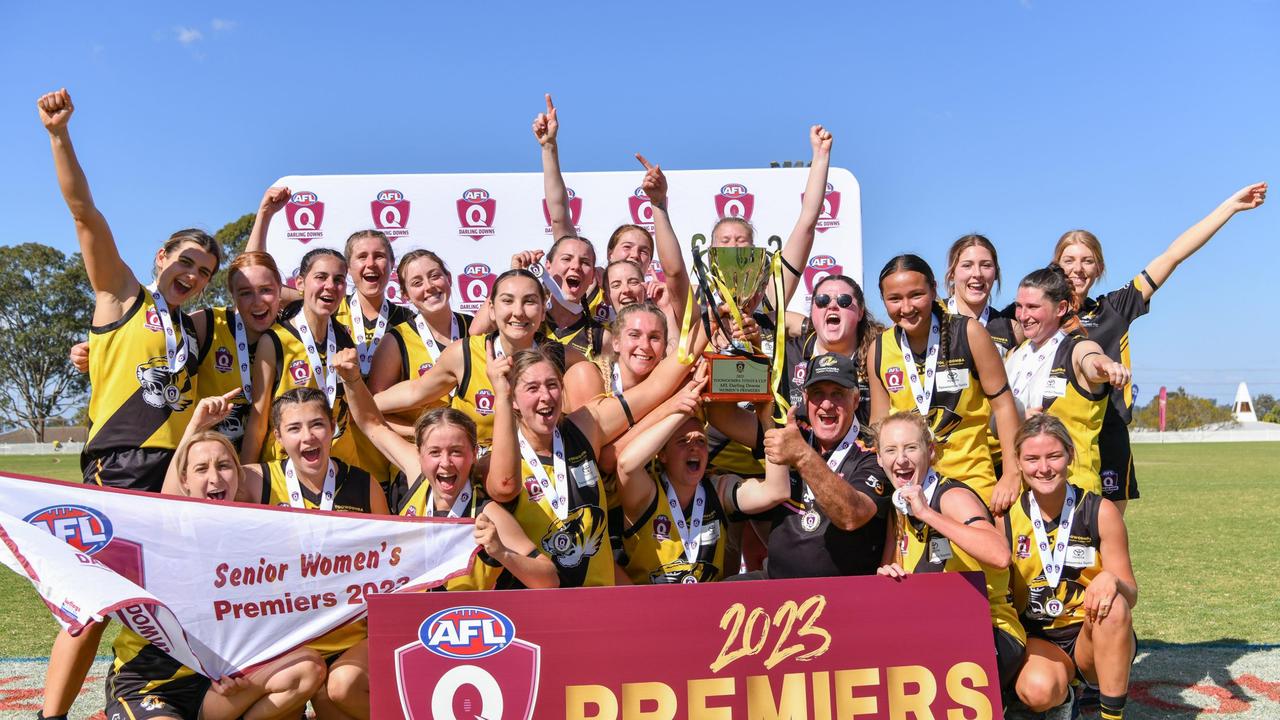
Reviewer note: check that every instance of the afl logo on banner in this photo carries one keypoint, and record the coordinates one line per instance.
(476, 210)
(830, 215)
(83, 528)
(575, 212)
(641, 209)
(305, 213)
(735, 200)
(474, 285)
(819, 267)
(391, 213)
(467, 663)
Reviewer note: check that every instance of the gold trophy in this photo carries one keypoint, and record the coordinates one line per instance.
(735, 279)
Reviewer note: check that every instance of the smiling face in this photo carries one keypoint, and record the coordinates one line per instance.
(183, 272)
(974, 275)
(1081, 266)
(518, 308)
(573, 266)
(370, 266)
(324, 285)
(836, 326)
(427, 285)
(684, 457)
(536, 397)
(1043, 460)
(831, 410)
(256, 291)
(634, 245)
(212, 471)
(1040, 318)
(447, 455)
(908, 299)
(625, 285)
(732, 233)
(306, 431)
(641, 343)
(904, 453)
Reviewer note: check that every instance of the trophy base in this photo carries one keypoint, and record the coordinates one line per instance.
(735, 378)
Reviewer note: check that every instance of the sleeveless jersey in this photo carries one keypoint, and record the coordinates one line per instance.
(922, 549)
(396, 316)
(1106, 319)
(595, 305)
(135, 657)
(293, 370)
(367, 456)
(959, 413)
(1080, 411)
(474, 397)
(136, 401)
(1083, 563)
(483, 574)
(586, 335)
(655, 553)
(219, 371)
(579, 544)
(415, 361)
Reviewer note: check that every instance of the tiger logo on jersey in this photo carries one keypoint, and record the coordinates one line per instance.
(151, 702)
(158, 387)
(577, 538)
(680, 572)
(943, 422)
(233, 426)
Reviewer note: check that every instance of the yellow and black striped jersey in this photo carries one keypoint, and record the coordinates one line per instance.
(1106, 320)
(219, 371)
(586, 335)
(135, 657)
(293, 370)
(1069, 400)
(654, 549)
(1083, 562)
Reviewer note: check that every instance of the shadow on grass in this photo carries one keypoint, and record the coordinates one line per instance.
(1187, 680)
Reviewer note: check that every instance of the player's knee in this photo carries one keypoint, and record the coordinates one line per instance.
(1119, 617)
(305, 676)
(1041, 690)
(347, 683)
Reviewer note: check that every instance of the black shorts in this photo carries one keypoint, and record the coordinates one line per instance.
(1010, 652)
(127, 468)
(179, 698)
(1066, 637)
(1118, 479)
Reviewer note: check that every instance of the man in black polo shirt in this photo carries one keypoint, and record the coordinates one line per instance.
(835, 521)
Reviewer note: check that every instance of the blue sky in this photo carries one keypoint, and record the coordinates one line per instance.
(1016, 119)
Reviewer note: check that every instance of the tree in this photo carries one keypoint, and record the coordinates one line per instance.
(1265, 406)
(232, 238)
(1183, 412)
(46, 306)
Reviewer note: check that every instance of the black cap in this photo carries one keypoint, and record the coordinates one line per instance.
(832, 367)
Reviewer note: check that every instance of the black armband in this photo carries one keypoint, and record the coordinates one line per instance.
(787, 265)
(1086, 355)
(1145, 276)
(626, 409)
(999, 392)
(976, 518)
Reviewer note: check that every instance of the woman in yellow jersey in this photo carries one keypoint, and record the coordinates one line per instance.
(639, 343)
(943, 526)
(1073, 581)
(676, 514)
(517, 309)
(1059, 371)
(630, 243)
(298, 353)
(544, 462)
(973, 272)
(945, 368)
(1107, 319)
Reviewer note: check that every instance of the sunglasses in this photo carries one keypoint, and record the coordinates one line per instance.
(844, 300)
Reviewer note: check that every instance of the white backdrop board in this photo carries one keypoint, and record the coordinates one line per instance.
(475, 222)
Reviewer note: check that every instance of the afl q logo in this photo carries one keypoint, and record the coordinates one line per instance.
(474, 285)
(304, 211)
(83, 528)
(819, 267)
(476, 211)
(641, 208)
(484, 402)
(735, 200)
(466, 633)
(390, 212)
(830, 215)
(300, 372)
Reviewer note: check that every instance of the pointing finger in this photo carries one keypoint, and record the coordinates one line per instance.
(551, 107)
(228, 397)
(644, 162)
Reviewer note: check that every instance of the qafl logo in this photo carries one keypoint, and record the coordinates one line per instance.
(1024, 547)
(305, 214)
(423, 368)
(532, 487)
(575, 212)
(467, 663)
(735, 200)
(83, 528)
(474, 285)
(391, 213)
(300, 372)
(484, 402)
(661, 528)
(222, 360)
(641, 209)
(152, 322)
(830, 215)
(818, 268)
(476, 211)
(893, 379)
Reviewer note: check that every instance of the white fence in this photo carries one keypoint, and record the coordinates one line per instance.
(1204, 436)
(66, 448)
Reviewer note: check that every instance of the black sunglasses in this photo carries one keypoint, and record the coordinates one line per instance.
(844, 300)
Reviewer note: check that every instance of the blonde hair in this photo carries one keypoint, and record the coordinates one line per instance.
(1080, 237)
(1044, 424)
(180, 460)
(907, 417)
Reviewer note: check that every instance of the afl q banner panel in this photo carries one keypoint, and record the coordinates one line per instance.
(476, 222)
(864, 647)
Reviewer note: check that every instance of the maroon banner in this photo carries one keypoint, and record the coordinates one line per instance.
(825, 648)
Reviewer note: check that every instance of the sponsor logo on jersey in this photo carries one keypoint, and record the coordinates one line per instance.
(474, 285)
(83, 528)
(893, 379)
(390, 213)
(305, 214)
(575, 212)
(735, 200)
(484, 401)
(300, 371)
(818, 268)
(222, 360)
(467, 632)
(661, 528)
(476, 211)
(641, 209)
(830, 215)
(1024, 547)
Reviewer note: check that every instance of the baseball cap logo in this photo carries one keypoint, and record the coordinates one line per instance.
(735, 200)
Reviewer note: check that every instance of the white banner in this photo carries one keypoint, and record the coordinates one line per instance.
(218, 586)
(476, 222)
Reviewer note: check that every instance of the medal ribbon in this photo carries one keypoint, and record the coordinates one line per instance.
(553, 287)
(460, 503)
(1053, 561)
(1029, 370)
(557, 493)
(295, 489)
(837, 456)
(983, 317)
(175, 341)
(921, 392)
(242, 357)
(365, 350)
(429, 338)
(690, 531)
(616, 379)
(325, 377)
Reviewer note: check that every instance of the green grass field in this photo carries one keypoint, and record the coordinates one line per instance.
(1205, 541)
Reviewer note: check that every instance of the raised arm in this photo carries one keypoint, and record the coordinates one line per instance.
(603, 420)
(666, 244)
(634, 484)
(1159, 269)
(273, 200)
(364, 412)
(847, 508)
(995, 384)
(264, 379)
(756, 496)
(432, 385)
(503, 481)
(795, 252)
(545, 128)
(112, 280)
(208, 413)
